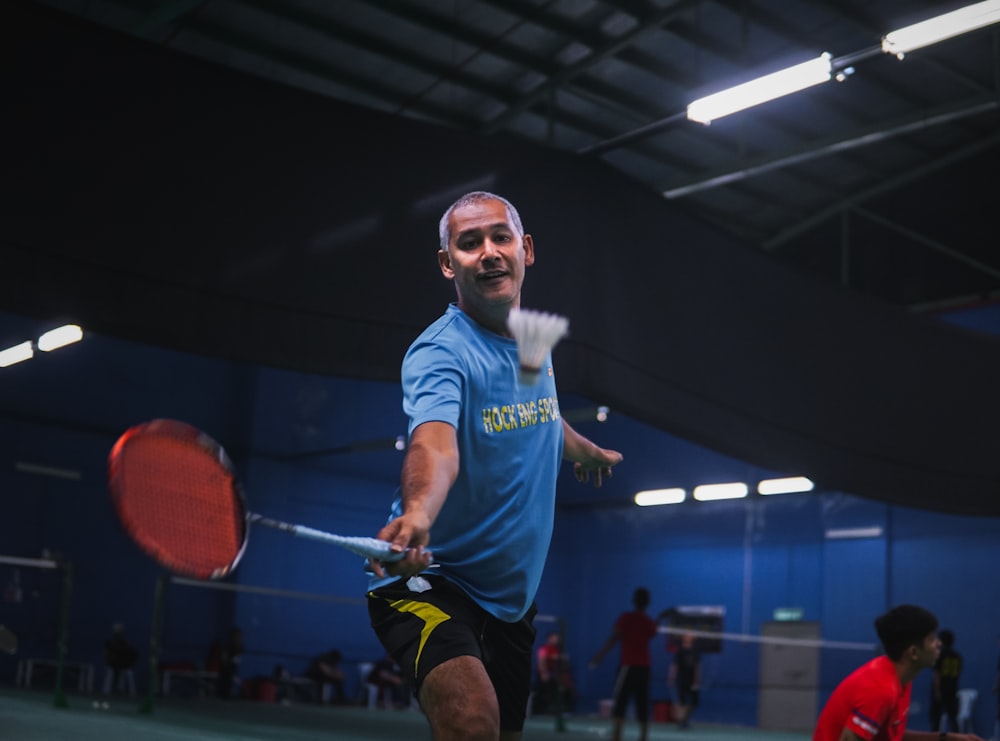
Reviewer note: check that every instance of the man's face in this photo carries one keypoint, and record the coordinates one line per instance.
(486, 257)
(927, 653)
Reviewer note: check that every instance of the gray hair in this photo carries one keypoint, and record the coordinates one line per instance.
(475, 197)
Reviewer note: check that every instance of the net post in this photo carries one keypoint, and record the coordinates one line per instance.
(59, 700)
(153, 683)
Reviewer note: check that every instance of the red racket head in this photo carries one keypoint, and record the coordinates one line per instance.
(175, 491)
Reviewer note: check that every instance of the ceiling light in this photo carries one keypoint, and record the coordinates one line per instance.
(789, 485)
(941, 27)
(41, 470)
(853, 532)
(660, 496)
(16, 354)
(60, 337)
(711, 492)
(775, 85)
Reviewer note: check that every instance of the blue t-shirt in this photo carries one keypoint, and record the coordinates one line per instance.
(492, 535)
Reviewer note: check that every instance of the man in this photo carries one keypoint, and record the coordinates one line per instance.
(328, 677)
(634, 629)
(388, 678)
(555, 691)
(944, 685)
(119, 658)
(873, 701)
(479, 476)
(684, 675)
(549, 660)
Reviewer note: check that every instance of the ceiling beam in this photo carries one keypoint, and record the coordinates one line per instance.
(608, 49)
(786, 235)
(834, 145)
(379, 45)
(933, 244)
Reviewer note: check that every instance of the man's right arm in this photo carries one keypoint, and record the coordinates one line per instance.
(612, 640)
(429, 470)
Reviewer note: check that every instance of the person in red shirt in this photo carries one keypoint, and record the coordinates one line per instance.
(872, 703)
(549, 659)
(634, 629)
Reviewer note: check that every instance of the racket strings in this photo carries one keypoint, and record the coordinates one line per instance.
(181, 504)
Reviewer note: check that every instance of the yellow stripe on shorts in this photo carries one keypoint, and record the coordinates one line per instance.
(431, 615)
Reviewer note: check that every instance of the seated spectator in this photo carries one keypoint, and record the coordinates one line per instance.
(119, 658)
(393, 692)
(224, 658)
(328, 676)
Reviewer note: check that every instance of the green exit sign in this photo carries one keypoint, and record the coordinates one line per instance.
(788, 613)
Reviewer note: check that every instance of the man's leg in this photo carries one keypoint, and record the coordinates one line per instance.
(622, 693)
(682, 706)
(951, 709)
(616, 733)
(460, 702)
(641, 692)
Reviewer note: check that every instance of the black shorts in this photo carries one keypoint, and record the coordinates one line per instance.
(632, 682)
(687, 694)
(455, 626)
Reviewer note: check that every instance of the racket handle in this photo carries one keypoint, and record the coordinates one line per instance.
(380, 550)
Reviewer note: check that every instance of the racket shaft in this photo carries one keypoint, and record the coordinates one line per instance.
(367, 547)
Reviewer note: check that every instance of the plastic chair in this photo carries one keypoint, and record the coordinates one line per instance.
(125, 677)
(966, 701)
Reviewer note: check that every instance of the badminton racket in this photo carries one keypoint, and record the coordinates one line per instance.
(176, 492)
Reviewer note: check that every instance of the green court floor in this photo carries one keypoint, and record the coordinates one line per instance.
(30, 715)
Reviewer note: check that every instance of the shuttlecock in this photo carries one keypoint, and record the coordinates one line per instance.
(536, 333)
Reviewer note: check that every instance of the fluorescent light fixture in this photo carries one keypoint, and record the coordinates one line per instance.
(16, 354)
(60, 337)
(775, 85)
(841, 533)
(41, 470)
(653, 497)
(941, 27)
(712, 492)
(789, 485)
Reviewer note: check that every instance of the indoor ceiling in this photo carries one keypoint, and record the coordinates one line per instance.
(878, 182)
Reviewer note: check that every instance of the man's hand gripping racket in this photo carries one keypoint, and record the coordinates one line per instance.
(176, 493)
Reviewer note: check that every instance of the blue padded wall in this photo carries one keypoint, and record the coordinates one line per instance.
(750, 557)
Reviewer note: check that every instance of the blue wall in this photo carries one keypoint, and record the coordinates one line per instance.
(754, 556)
(750, 557)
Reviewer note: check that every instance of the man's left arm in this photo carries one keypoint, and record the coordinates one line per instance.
(588, 458)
